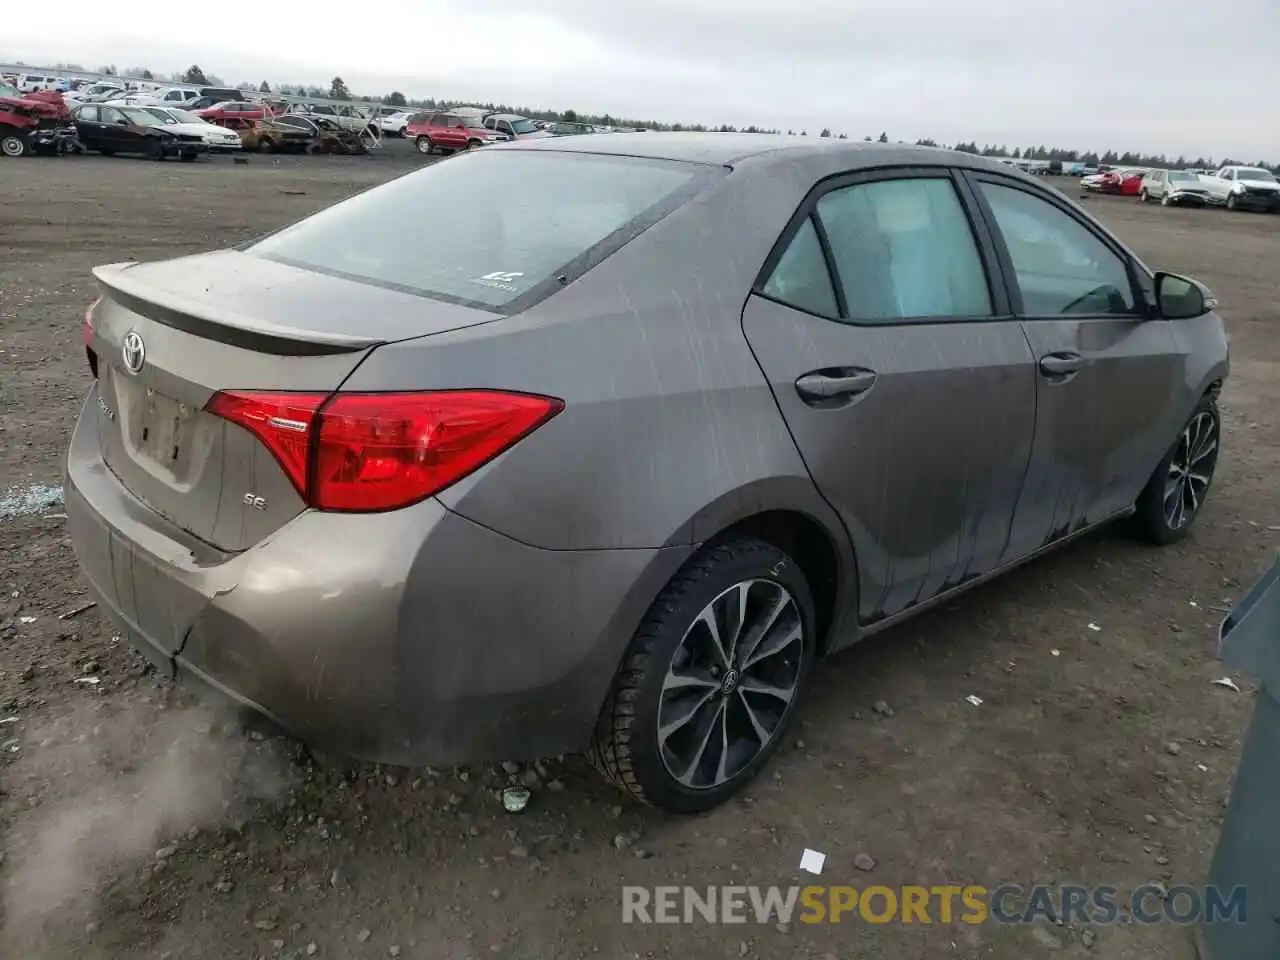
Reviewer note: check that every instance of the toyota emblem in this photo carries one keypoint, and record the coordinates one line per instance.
(134, 352)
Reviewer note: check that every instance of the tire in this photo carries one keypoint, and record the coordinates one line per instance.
(425, 146)
(627, 747)
(13, 144)
(106, 152)
(155, 151)
(1164, 200)
(472, 144)
(187, 157)
(1144, 196)
(1231, 201)
(265, 145)
(1154, 519)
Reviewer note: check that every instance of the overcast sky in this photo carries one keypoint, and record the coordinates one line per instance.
(1179, 76)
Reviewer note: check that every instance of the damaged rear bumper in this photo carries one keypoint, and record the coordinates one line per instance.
(60, 139)
(409, 637)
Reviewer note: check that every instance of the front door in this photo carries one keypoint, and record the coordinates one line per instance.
(909, 389)
(1107, 377)
(117, 131)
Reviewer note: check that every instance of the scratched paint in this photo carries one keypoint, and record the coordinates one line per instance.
(25, 501)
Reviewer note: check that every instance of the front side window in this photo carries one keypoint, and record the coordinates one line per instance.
(87, 114)
(904, 248)
(139, 116)
(1061, 266)
(490, 243)
(801, 278)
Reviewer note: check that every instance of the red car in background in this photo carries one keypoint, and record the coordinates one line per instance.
(1125, 182)
(448, 131)
(233, 110)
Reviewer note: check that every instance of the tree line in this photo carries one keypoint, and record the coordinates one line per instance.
(338, 90)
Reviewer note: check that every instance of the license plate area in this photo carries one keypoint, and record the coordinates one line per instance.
(155, 428)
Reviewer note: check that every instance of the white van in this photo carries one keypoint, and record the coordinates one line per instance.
(31, 82)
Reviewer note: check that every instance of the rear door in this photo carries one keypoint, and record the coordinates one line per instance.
(448, 131)
(89, 127)
(884, 330)
(1107, 378)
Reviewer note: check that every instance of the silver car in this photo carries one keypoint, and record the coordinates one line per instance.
(1173, 188)
(608, 462)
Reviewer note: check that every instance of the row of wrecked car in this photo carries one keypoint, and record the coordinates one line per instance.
(43, 122)
(1234, 186)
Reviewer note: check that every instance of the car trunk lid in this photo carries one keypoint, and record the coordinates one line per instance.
(170, 335)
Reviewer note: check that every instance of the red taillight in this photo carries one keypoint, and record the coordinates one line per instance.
(282, 421)
(381, 451)
(86, 331)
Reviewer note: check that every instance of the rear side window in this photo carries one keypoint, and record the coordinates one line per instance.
(904, 248)
(801, 278)
(487, 228)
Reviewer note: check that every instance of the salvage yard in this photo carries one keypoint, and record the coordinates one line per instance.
(133, 823)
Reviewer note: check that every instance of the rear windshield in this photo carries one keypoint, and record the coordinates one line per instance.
(487, 228)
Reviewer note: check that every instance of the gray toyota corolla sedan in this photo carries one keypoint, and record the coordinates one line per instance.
(599, 443)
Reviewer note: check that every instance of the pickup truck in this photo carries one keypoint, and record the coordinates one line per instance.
(1243, 188)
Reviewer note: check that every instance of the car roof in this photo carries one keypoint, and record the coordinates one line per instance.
(764, 149)
(506, 116)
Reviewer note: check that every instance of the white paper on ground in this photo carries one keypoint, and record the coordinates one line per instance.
(812, 861)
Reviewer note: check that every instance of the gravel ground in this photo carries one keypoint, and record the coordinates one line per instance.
(137, 824)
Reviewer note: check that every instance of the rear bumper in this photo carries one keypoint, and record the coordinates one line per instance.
(60, 138)
(408, 637)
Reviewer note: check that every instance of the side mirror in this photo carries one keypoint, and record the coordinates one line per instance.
(1181, 298)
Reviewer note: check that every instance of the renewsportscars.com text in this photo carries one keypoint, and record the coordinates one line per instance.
(1007, 904)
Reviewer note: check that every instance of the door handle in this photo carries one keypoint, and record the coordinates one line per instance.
(834, 386)
(1061, 364)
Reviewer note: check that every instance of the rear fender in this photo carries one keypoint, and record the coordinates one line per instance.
(789, 494)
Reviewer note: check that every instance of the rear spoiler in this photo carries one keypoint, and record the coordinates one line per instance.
(213, 323)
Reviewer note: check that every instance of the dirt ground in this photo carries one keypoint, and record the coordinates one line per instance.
(135, 824)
